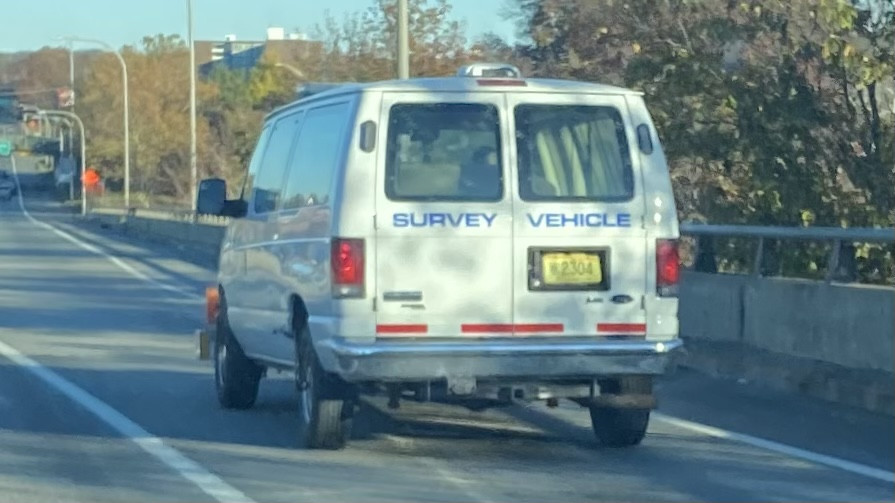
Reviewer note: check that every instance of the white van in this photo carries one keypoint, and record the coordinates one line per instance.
(482, 238)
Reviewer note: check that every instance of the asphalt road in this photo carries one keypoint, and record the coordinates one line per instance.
(102, 399)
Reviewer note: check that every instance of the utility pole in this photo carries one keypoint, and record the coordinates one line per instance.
(194, 170)
(403, 40)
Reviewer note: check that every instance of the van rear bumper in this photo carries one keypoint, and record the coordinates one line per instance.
(428, 360)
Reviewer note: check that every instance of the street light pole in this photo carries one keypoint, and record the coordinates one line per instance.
(403, 41)
(295, 71)
(127, 141)
(71, 75)
(69, 115)
(194, 170)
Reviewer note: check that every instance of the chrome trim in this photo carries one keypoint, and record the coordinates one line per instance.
(405, 296)
(348, 349)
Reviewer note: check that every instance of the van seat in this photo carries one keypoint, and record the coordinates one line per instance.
(427, 179)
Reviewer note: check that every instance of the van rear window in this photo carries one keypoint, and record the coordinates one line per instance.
(443, 152)
(572, 152)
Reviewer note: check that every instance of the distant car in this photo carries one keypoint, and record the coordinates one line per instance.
(8, 187)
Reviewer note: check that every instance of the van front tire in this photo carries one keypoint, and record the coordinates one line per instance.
(324, 411)
(236, 377)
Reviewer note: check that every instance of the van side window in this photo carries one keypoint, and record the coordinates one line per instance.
(316, 157)
(443, 152)
(255, 162)
(269, 181)
(572, 152)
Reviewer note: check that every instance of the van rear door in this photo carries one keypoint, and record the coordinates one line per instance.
(580, 248)
(443, 217)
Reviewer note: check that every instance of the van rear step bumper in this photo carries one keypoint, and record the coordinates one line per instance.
(427, 360)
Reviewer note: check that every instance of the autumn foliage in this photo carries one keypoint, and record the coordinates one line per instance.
(772, 112)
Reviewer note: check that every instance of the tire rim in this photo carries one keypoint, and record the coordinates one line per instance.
(220, 364)
(307, 400)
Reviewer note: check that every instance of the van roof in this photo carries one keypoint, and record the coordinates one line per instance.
(454, 84)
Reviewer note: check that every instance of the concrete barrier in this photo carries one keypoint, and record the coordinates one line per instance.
(833, 341)
(200, 241)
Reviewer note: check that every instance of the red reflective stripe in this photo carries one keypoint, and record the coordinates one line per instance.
(503, 328)
(621, 327)
(402, 329)
(507, 328)
(537, 327)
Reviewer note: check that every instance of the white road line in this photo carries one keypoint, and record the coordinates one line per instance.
(788, 450)
(206, 481)
(93, 249)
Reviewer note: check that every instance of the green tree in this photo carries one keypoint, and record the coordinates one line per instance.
(362, 47)
(159, 119)
(770, 111)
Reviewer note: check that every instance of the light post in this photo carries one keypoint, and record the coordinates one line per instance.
(295, 71)
(71, 74)
(127, 146)
(403, 39)
(194, 171)
(69, 115)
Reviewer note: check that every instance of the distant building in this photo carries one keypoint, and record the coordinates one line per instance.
(234, 54)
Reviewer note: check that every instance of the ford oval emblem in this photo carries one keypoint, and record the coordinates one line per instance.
(622, 299)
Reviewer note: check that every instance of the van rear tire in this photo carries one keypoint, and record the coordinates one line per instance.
(324, 410)
(622, 427)
(236, 377)
(619, 427)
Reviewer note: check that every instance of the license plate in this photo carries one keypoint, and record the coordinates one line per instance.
(571, 269)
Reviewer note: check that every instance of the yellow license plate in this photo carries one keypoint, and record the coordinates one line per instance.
(571, 268)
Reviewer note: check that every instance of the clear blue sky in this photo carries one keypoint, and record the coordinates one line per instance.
(35, 23)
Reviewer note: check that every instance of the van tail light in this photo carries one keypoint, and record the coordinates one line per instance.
(347, 259)
(668, 267)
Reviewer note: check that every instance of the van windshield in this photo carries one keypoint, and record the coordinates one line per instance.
(572, 152)
(444, 152)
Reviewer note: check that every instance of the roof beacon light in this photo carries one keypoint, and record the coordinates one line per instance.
(490, 70)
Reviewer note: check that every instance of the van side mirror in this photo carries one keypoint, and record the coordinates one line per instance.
(212, 196)
(212, 200)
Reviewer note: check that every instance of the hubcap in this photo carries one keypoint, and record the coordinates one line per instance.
(307, 388)
(221, 364)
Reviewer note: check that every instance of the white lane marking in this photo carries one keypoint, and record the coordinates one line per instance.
(823, 459)
(206, 481)
(788, 450)
(93, 249)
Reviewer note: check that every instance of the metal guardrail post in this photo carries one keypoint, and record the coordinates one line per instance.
(833, 262)
(759, 255)
(705, 260)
